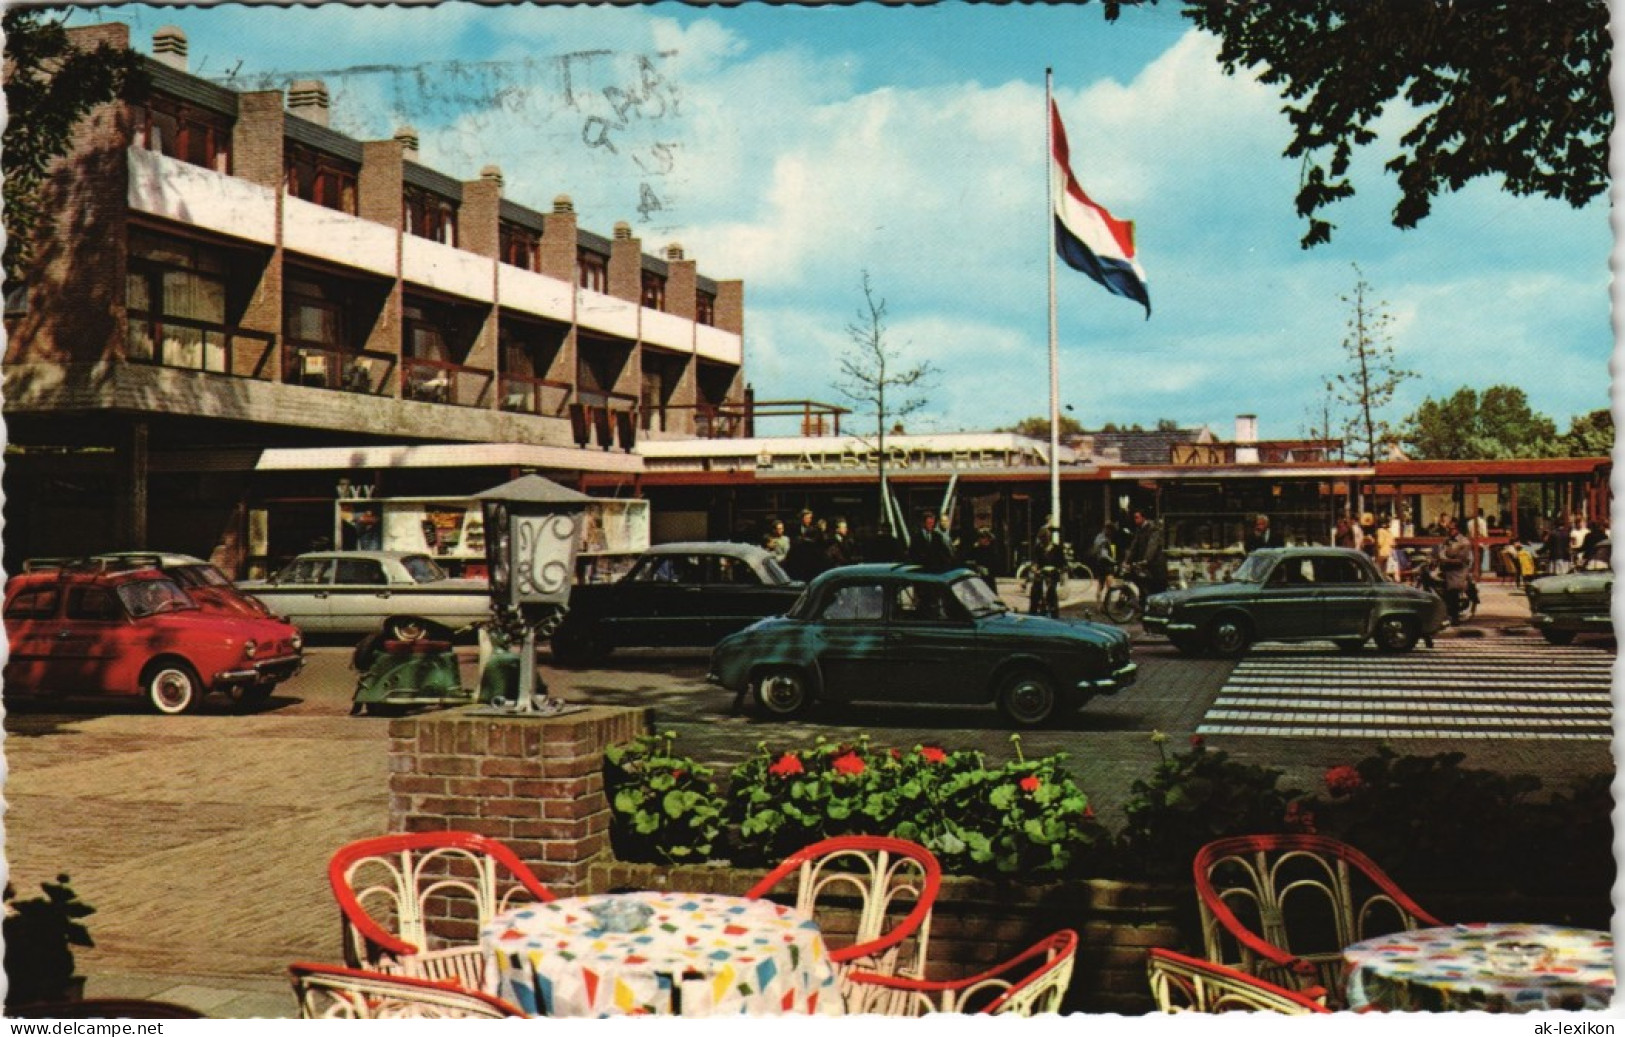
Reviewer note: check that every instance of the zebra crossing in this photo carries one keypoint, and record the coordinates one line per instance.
(1490, 687)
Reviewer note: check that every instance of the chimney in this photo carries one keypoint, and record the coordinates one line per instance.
(623, 231)
(169, 47)
(563, 204)
(1246, 433)
(408, 136)
(307, 98)
(493, 174)
(674, 252)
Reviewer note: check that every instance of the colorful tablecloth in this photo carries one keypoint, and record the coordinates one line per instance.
(695, 954)
(1484, 967)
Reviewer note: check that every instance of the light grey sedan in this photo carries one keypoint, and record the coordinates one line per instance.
(404, 594)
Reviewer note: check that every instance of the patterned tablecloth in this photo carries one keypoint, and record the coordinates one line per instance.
(695, 954)
(1483, 966)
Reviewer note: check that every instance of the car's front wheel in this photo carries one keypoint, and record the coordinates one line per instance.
(172, 687)
(783, 692)
(1230, 635)
(1396, 634)
(1027, 697)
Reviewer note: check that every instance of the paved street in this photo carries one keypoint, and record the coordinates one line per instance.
(202, 840)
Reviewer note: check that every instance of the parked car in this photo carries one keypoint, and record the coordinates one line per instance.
(404, 594)
(675, 595)
(1296, 594)
(204, 583)
(111, 630)
(898, 633)
(1576, 602)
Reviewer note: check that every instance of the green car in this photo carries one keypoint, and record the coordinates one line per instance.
(1296, 594)
(1575, 603)
(902, 634)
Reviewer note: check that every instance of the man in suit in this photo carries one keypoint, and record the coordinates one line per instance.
(1261, 535)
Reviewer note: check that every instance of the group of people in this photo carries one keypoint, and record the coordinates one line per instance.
(1136, 552)
(819, 544)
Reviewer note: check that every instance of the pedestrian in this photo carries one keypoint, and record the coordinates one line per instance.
(1454, 560)
(1557, 547)
(1385, 549)
(1478, 529)
(1146, 554)
(1344, 535)
(984, 557)
(806, 557)
(1049, 561)
(1593, 538)
(839, 549)
(1260, 536)
(1103, 558)
(930, 548)
(777, 544)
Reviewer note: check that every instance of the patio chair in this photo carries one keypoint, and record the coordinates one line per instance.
(1181, 983)
(888, 884)
(1283, 907)
(1031, 983)
(341, 992)
(413, 903)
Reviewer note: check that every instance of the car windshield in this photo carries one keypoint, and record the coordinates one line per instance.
(1252, 570)
(423, 569)
(198, 576)
(776, 577)
(977, 597)
(150, 597)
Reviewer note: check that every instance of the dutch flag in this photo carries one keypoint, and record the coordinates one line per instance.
(1087, 237)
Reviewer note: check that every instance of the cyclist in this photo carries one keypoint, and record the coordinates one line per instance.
(1103, 558)
(1146, 553)
(1048, 563)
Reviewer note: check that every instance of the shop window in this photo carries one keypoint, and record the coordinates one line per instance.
(315, 176)
(593, 271)
(428, 215)
(184, 132)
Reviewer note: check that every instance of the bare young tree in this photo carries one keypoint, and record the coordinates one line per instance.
(1367, 387)
(874, 378)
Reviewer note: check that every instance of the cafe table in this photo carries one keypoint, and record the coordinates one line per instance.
(1482, 967)
(659, 953)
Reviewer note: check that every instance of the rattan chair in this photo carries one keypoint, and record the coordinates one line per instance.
(888, 885)
(1283, 907)
(1181, 983)
(412, 904)
(1031, 983)
(341, 992)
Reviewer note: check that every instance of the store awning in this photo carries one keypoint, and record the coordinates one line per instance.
(448, 455)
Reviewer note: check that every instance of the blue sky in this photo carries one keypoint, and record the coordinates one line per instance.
(796, 148)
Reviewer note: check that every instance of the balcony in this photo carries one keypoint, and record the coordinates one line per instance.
(321, 367)
(606, 313)
(604, 418)
(447, 269)
(198, 345)
(541, 396)
(715, 344)
(527, 292)
(436, 381)
(338, 237)
(198, 197)
(667, 331)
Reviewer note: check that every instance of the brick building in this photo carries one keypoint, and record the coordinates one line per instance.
(222, 273)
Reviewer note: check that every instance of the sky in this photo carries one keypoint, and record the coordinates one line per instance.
(797, 149)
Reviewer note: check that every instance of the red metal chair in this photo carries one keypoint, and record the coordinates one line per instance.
(1181, 983)
(1031, 983)
(413, 903)
(341, 992)
(1283, 907)
(889, 884)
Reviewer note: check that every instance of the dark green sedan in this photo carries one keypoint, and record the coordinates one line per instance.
(1576, 602)
(902, 634)
(1296, 594)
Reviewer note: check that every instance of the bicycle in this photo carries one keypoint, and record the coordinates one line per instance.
(1125, 601)
(1076, 569)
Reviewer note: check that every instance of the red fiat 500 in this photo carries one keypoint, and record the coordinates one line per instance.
(100, 630)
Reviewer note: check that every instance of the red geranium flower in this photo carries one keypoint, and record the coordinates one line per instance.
(678, 774)
(1030, 783)
(1088, 813)
(1197, 741)
(851, 763)
(788, 764)
(1343, 780)
(1299, 819)
(896, 755)
(932, 754)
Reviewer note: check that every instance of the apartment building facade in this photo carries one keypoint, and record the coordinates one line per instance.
(221, 273)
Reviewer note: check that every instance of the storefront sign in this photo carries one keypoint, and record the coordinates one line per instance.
(854, 459)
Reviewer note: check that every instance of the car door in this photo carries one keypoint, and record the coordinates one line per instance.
(1347, 596)
(850, 639)
(931, 652)
(91, 641)
(736, 597)
(1286, 607)
(32, 626)
(361, 596)
(302, 593)
(657, 603)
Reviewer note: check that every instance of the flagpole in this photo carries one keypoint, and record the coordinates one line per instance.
(1054, 349)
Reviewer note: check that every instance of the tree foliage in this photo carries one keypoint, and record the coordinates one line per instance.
(1037, 427)
(1466, 426)
(1505, 88)
(1590, 435)
(1367, 387)
(50, 86)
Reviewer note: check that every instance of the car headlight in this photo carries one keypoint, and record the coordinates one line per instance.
(297, 642)
(250, 649)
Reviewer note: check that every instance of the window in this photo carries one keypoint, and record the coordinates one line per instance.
(1338, 570)
(918, 603)
(34, 603)
(855, 602)
(705, 308)
(738, 572)
(316, 176)
(148, 598)
(359, 570)
(654, 291)
(184, 132)
(306, 571)
(423, 569)
(176, 296)
(428, 215)
(519, 246)
(314, 314)
(92, 603)
(592, 271)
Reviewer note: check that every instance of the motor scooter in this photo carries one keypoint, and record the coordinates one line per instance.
(401, 675)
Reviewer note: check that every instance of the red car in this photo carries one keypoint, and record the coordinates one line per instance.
(97, 629)
(204, 583)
